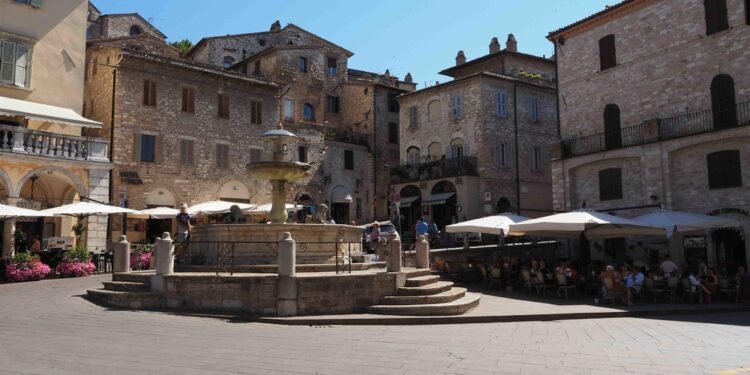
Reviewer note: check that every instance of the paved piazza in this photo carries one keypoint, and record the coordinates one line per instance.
(47, 328)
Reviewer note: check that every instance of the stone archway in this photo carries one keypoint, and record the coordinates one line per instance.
(73, 179)
(6, 185)
(234, 191)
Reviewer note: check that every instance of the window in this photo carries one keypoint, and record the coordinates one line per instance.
(186, 151)
(303, 64)
(188, 100)
(14, 63)
(723, 102)
(256, 68)
(392, 102)
(716, 16)
(412, 155)
(135, 30)
(148, 148)
(228, 61)
(288, 109)
(457, 148)
(500, 153)
(458, 111)
(413, 117)
(610, 184)
(256, 155)
(349, 160)
(724, 169)
(612, 131)
(534, 109)
(393, 133)
(149, 93)
(332, 62)
(223, 106)
(747, 12)
(308, 112)
(222, 155)
(302, 154)
(501, 104)
(536, 159)
(256, 112)
(333, 104)
(607, 53)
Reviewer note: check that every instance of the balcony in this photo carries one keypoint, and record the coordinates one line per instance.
(657, 130)
(20, 140)
(435, 169)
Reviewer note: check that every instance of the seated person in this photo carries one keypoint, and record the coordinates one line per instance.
(668, 267)
(696, 284)
(633, 284)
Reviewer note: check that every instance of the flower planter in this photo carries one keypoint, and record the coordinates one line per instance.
(76, 268)
(25, 268)
(140, 261)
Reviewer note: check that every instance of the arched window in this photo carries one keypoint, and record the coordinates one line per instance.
(503, 205)
(433, 110)
(716, 16)
(412, 155)
(612, 139)
(457, 148)
(309, 112)
(435, 150)
(228, 61)
(723, 102)
(724, 169)
(135, 30)
(607, 52)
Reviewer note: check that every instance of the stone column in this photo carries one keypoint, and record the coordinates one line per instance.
(394, 254)
(423, 252)
(96, 226)
(164, 262)
(122, 255)
(286, 285)
(9, 228)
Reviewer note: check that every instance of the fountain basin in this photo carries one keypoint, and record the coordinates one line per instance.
(278, 170)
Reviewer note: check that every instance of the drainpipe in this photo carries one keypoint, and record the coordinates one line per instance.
(557, 89)
(515, 138)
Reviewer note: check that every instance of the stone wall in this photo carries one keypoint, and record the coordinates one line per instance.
(348, 293)
(251, 294)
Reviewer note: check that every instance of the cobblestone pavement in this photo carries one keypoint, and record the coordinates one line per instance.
(47, 328)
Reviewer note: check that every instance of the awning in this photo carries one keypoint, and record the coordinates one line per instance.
(341, 195)
(436, 199)
(44, 112)
(407, 201)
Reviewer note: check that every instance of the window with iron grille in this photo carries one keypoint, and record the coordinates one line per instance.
(610, 184)
(149, 93)
(392, 133)
(188, 100)
(256, 112)
(716, 16)
(724, 169)
(333, 104)
(607, 52)
(349, 160)
(222, 155)
(223, 106)
(186, 151)
(413, 117)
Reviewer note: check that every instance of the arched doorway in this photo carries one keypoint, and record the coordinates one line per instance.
(723, 102)
(457, 148)
(442, 202)
(412, 155)
(234, 191)
(410, 207)
(159, 198)
(503, 205)
(612, 136)
(341, 199)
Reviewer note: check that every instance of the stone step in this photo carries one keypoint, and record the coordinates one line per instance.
(416, 272)
(126, 286)
(457, 307)
(135, 277)
(447, 296)
(130, 300)
(422, 280)
(434, 288)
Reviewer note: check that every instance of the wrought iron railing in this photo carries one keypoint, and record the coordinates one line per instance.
(17, 139)
(682, 125)
(434, 169)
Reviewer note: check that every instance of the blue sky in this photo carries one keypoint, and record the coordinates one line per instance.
(417, 36)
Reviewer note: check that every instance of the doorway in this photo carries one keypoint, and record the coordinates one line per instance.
(730, 250)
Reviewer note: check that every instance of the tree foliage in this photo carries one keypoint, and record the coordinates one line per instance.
(183, 45)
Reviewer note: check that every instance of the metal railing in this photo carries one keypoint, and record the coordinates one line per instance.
(678, 126)
(434, 169)
(17, 139)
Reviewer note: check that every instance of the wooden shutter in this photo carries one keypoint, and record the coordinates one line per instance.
(152, 94)
(136, 147)
(724, 169)
(607, 52)
(716, 16)
(610, 184)
(158, 149)
(7, 61)
(185, 95)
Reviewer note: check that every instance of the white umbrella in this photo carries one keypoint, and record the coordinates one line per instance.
(496, 224)
(266, 208)
(156, 213)
(217, 207)
(9, 212)
(81, 209)
(595, 225)
(675, 221)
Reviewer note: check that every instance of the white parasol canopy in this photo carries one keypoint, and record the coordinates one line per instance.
(9, 212)
(86, 209)
(675, 221)
(156, 213)
(266, 208)
(595, 225)
(217, 207)
(496, 224)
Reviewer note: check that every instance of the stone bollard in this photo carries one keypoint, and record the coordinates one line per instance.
(286, 284)
(121, 262)
(423, 252)
(164, 262)
(394, 254)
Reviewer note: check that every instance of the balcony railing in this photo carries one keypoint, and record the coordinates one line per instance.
(659, 130)
(20, 140)
(435, 169)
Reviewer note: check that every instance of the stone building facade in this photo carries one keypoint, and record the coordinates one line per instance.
(657, 118)
(477, 145)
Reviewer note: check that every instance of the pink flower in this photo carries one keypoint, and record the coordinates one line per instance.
(76, 268)
(26, 271)
(140, 261)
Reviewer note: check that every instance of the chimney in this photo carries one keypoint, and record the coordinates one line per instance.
(276, 26)
(408, 78)
(494, 45)
(387, 73)
(511, 44)
(460, 58)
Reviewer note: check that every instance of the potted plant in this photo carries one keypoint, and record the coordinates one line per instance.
(25, 267)
(76, 262)
(140, 258)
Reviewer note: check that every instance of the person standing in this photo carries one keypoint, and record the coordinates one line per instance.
(183, 224)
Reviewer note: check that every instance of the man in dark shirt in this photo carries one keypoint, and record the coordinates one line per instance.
(183, 224)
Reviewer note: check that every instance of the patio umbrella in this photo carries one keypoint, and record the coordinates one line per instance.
(496, 224)
(266, 208)
(675, 221)
(156, 213)
(594, 225)
(9, 212)
(82, 209)
(217, 207)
